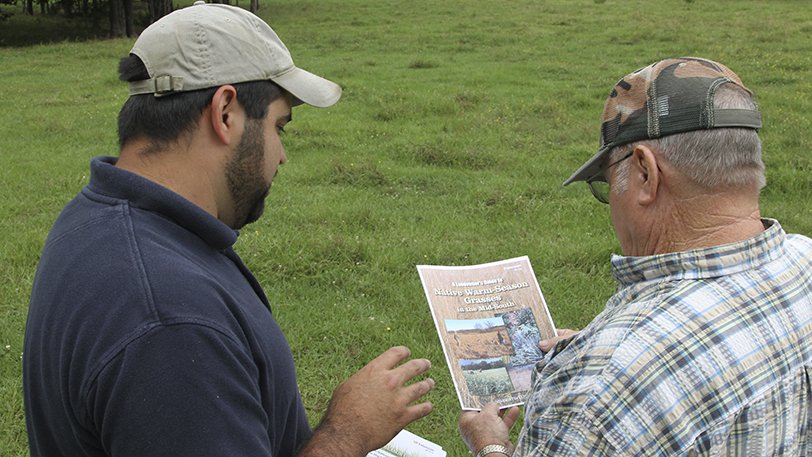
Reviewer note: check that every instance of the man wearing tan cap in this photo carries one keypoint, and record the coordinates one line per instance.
(706, 348)
(146, 334)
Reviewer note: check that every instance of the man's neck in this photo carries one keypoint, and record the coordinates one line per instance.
(705, 221)
(183, 172)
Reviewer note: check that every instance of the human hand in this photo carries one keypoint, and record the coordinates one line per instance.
(489, 426)
(563, 334)
(372, 406)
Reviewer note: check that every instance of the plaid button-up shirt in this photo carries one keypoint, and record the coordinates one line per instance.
(705, 352)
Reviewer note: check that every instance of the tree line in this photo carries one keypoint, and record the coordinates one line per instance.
(122, 17)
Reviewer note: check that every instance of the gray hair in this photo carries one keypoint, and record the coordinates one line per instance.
(713, 158)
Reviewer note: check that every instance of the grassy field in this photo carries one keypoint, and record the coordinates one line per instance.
(459, 121)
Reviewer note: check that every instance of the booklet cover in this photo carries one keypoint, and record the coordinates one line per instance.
(407, 444)
(490, 318)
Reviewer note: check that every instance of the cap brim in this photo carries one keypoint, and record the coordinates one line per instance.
(305, 87)
(590, 168)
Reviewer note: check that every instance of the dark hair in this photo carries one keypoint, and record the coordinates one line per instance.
(164, 119)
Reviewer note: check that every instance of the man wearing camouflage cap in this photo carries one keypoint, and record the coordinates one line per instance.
(146, 334)
(706, 347)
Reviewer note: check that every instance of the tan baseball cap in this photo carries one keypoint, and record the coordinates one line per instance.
(209, 45)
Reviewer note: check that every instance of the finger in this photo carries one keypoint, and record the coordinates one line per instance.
(416, 412)
(419, 389)
(563, 334)
(510, 416)
(410, 370)
(390, 358)
(546, 345)
(491, 408)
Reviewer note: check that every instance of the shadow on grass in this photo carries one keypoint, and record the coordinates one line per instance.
(18, 29)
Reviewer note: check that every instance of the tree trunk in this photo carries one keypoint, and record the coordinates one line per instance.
(117, 19)
(159, 9)
(128, 17)
(254, 6)
(29, 7)
(96, 14)
(67, 7)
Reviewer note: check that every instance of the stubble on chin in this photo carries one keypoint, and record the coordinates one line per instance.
(244, 174)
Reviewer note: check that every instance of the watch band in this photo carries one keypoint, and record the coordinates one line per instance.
(492, 448)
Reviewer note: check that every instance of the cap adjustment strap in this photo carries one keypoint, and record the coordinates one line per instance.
(167, 83)
(159, 85)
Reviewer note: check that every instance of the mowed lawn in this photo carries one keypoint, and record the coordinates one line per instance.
(459, 121)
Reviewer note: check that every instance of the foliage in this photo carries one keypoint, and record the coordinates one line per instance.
(21, 30)
(482, 383)
(524, 336)
(457, 126)
(77, 19)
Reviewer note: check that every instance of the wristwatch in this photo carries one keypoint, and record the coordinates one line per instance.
(492, 448)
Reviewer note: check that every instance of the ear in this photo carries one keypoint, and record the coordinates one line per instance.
(645, 174)
(225, 114)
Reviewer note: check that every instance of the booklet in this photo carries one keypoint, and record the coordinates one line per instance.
(490, 318)
(407, 444)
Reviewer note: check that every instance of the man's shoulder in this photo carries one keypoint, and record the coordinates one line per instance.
(93, 226)
(107, 258)
(687, 356)
(800, 244)
(82, 217)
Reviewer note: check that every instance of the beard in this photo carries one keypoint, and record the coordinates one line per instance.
(244, 174)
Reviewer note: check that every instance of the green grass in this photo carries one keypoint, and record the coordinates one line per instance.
(458, 123)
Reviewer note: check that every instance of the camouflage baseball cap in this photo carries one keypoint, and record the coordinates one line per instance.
(209, 45)
(667, 97)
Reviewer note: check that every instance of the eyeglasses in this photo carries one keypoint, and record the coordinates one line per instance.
(598, 184)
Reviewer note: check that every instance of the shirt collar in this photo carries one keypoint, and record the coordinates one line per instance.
(702, 263)
(110, 181)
